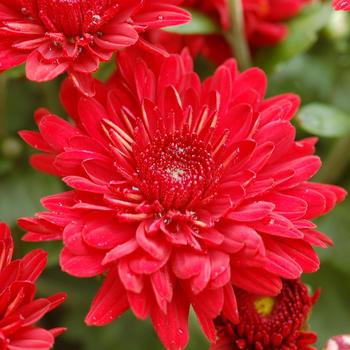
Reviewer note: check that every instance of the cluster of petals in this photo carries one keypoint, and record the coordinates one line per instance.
(343, 5)
(19, 310)
(53, 36)
(179, 189)
(264, 25)
(278, 323)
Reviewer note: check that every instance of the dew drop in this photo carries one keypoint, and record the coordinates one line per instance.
(167, 221)
(24, 11)
(96, 19)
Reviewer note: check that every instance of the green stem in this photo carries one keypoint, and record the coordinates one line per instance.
(336, 162)
(3, 93)
(237, 37)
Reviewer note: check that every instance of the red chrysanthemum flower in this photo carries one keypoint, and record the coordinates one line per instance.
(339, 342)
(341, 5)
(19, 310)
(264, 25)
(267, 323)
(53, 36)
(179, 189)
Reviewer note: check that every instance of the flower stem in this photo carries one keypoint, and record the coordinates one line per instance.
(3, 86)
(237, 37)
(335, 163)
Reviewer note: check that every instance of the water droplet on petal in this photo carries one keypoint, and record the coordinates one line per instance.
(96, 19)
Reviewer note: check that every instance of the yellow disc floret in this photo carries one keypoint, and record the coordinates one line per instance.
(264, 305)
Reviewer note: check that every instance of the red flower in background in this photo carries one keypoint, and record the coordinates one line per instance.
(179, 189)
(269, 323)
(263, 24)
(341, 5)
(19, 310)
(53, 36)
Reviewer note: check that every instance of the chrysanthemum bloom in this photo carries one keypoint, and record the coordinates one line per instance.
(341, 5)
(266, 323)
(179, 189)
(19, 310)
(339, 342)
(53, 36)
(264, 25)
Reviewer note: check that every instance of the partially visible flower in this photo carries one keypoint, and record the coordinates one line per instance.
(19, 310)
(269, 323)
(53, 36)
(179, 188)
(339, 342)
(341, 5)
(264, 26)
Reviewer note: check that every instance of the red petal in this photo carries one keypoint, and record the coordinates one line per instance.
(157, 247)
(252, 212)
(33, 265)
(57, 132)
(31, 338)
(140, 304)
(38, 70)
(109, 303)
(172, 327)
(81, 266)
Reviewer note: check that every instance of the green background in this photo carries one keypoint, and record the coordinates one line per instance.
(314, 62)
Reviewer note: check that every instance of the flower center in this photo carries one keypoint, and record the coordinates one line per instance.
(272, 323)
(177, 170)
(264, 305)
(75, 17)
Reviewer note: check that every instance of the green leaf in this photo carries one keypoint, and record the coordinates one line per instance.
(316, 85)
(105, 70)
(16, 72)
(302, 34)
(336, 225)
(330, 315)
(200, 24)
(21, 193)
(323, 120)
(22, 98)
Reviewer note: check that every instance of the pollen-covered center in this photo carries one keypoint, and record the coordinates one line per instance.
(74, 17)
(177, 170)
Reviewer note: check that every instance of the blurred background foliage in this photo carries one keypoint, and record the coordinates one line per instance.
(313, 62)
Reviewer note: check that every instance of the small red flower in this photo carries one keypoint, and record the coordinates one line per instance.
(267, 323)
(19, 310)
(180, 188)
(341, 5)
(53, 36)
(264, 25)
